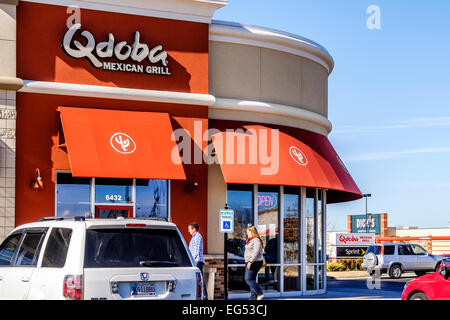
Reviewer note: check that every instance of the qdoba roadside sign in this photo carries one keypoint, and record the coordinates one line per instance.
(350, 245)
(97, 53)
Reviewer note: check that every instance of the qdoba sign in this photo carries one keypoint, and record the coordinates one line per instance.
(96, 53)
(350, 245)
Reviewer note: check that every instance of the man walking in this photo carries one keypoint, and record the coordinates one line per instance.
(196, 245)
(196, 248)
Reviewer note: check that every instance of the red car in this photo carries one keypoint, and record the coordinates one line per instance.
(434, 286)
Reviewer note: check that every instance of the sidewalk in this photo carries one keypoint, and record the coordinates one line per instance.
(359, 274)
(346, 294)
(347, 274)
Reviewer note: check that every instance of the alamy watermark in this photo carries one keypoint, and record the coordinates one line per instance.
(374, 20)
(254, 146)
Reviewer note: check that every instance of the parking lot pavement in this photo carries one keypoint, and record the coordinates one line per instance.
(362, 287)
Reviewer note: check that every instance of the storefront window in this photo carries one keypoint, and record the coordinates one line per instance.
(292, 226)
(151, 198)
(240, 199)
(319, 227)
(113, 190)
(301, 239)
(311, 239)
(113, 197)
(268, 222)
(310, 226)
(311, 277)
(73, 196)
(292, 278)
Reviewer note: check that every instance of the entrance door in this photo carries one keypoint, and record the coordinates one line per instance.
(112, 212)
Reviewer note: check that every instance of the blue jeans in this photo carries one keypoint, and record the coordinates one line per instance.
(250, 279)
(200, 266)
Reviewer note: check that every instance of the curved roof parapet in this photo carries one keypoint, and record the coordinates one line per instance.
(225, 31)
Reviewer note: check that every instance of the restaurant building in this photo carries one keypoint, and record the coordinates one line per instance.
(152, 109)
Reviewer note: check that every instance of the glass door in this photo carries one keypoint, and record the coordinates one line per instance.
(292, 241)
(314, 271)
(112, 212)
(268, 200)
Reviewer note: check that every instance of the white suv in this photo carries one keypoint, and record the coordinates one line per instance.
(97, 259)
(396, 258)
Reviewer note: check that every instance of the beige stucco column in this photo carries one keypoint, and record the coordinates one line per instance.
(9, 84)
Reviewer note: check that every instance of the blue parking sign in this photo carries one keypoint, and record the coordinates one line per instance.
(226, 224)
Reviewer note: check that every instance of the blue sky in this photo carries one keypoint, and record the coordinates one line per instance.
(389, 98)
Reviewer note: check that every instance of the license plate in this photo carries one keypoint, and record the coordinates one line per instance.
(143, 289)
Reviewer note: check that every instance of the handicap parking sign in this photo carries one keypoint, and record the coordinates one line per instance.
(226, 224)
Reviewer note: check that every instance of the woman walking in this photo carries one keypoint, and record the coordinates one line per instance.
(253, 260)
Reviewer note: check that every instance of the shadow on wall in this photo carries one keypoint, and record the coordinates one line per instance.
(189, 200)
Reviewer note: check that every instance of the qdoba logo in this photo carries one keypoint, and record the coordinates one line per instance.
(298, 156)
(122, 143)
(346, 239)
(121, 51)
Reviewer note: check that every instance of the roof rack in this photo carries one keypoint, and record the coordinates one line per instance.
(149, 218)
(78, 218)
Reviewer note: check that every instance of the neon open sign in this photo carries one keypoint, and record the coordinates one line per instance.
(267, 201)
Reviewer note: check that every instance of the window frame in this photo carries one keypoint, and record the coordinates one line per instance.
(411, 253)
(419, 246)
(41, 260)
(319, 268)
(132, 204)
(13, 260)
(37, 254)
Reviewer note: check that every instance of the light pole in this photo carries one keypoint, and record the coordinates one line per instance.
(367, 195)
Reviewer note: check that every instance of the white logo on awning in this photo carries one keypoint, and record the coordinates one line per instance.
(122, 143)
(298, 156)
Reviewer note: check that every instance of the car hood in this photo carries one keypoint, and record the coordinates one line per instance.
(426, 277)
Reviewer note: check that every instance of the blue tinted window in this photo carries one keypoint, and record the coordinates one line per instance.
(29, 250)
(9, 246)
(151, 198)
(73, 196)
(240, 199)
(113, 190)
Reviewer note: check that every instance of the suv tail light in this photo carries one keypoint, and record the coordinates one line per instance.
(382, 250)
(199, 285)
(73, 287)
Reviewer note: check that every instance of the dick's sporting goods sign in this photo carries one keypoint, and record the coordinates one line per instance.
(127, 57)
(362, 225)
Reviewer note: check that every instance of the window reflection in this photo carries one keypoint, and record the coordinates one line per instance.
(268, 222)
(319, 227)
(292, 278)
(113, 190)
(310, 226)
(240, 199)
(151, 198)
(292, 225)
(311, 275)
(73, 196)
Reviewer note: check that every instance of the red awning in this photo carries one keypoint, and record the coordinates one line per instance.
(120, 144)
(290, 157)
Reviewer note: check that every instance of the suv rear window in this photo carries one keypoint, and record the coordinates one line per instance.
(57, 245)
(129, 248)
(389, 250)
(374, 249)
